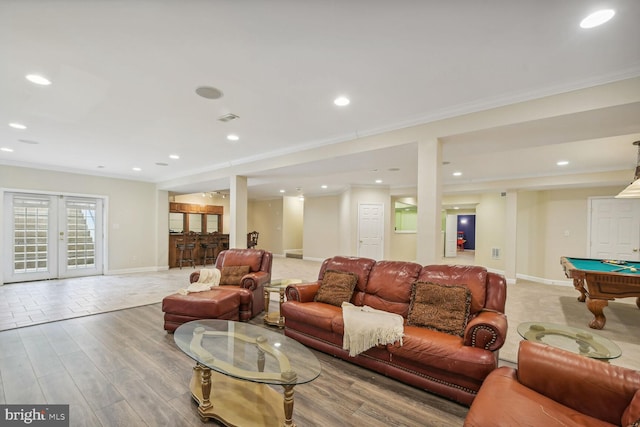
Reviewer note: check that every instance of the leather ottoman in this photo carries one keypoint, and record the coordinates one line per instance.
(217, 303)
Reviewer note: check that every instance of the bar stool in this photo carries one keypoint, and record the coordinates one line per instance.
(209, 246)
(186, 246)
(252, 239)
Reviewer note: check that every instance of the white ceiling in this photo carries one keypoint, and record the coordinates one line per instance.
(124, 78)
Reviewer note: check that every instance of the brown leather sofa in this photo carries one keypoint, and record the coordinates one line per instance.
(241, 301)
(553, 387)
(449, 365)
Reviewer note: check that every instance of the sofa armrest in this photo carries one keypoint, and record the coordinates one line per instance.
(487, 330)
(589, 386)
(302, 292)
(253, 281)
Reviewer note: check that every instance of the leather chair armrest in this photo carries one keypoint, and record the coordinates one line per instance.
(589, 386)
(253, 281)
(487, 330)
(302, 292)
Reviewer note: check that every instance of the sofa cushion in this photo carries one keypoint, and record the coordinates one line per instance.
(232, 275)
(389, 286)
(440, 307)
(251, 257)
(520, 406)
(336, 287)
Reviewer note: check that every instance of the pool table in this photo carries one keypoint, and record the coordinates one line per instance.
(599, 281)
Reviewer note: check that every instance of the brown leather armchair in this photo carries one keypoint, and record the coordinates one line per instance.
(259, 262)
(553, 387)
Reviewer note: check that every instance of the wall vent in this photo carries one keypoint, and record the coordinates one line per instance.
(495, 253)
(228, 117)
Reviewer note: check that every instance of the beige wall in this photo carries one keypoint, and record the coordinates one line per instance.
(490, 230)
(292, 220)
(321, 227)
(266, 217)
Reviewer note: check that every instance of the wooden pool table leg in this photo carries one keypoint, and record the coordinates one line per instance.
(579, 285)
(596, 306)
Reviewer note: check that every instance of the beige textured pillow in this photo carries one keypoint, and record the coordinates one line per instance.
(444, 308)
(336, 287)
(233, 275)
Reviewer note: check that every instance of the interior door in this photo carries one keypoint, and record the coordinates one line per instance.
(614, 226)
(451, 236)
(51, 236)
(371, 230)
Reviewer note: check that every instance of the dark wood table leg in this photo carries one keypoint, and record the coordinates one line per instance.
(596, 306)
(579, 285)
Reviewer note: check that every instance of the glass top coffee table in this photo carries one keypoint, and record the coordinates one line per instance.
(571, 339)
(235, 364)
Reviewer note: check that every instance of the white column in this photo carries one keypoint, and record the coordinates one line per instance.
(428, 245)
(238, 202)
(511, 239)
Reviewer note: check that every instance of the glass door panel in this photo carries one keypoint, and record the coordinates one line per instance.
(48, 237)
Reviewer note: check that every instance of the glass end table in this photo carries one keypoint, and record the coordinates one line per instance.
(575, 340)
(274, 318)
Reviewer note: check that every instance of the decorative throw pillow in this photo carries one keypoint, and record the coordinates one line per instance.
(233, 275)
(444, 308)
(336, 287)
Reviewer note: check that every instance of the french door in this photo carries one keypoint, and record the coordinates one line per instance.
(52, 236)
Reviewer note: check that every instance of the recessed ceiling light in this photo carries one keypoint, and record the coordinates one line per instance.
(100, 166)
(456, 207)
(174, 156)
(393, 169)
(301, 198)
(378, 181)
(341, 101)
(597, 18)
(282, 191)
(28, 141)
(209, 92)
(37, 79)
(17, 126)
(323, 186)
(233, 137)
(137, 169)
(562, 163)
(457, 174)
(162, 164)
(6, 149)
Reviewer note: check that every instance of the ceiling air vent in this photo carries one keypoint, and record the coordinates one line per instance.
(228, 117)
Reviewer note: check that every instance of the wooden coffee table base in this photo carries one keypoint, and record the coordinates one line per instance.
(237, 403)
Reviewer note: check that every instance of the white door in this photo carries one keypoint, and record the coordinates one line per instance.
(371, 230)
(49, 237)
(614, 229)
(451, 236)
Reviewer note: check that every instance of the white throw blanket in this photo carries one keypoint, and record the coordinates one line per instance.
(209, 277)
(366, 327)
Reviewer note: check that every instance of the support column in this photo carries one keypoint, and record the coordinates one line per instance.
(238, 203)
(429, 190)
(511, 239)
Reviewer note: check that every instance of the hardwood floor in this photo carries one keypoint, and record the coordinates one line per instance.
(122, 369)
